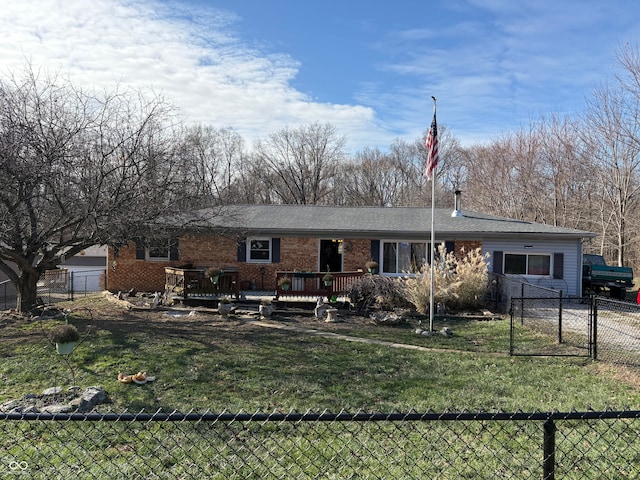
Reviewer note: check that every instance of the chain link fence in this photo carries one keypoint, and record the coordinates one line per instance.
(503, 288)
(597, 327)
(616, 331)
(63, 285)
(57, 286)
(587, 445)
(566, 322)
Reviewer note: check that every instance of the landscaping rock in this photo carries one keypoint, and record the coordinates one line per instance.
(54, 400)
(386, 318)
(57, 408)
(52, 391)
(91, 397)
(446, 331)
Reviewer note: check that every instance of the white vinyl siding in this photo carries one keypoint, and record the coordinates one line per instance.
(571, 282)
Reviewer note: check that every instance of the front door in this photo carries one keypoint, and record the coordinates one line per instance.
(330, 256)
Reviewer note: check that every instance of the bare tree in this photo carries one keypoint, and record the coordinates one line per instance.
(452, 169)
(300, 163)
(565, 171)
(251, 179)
(77, 169)
(408, 160)
(371, 179)
(612, 130)
(211, 157)
(494, 176)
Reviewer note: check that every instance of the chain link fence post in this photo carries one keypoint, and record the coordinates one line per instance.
(560, 317)
(594, 307)
(549, 448)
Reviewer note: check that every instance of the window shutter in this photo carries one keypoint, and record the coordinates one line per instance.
(375, 251)
(558, 265)
(449, 246)
(275, 250)
(242, 250)
(173, 249)
(140, 250)
(497, 262)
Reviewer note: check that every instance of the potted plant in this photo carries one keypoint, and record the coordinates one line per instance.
(285, 283)
(328, 279)
(65, 337)
(371, 266)
(213, 274)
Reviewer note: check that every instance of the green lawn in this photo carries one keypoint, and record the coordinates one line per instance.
(204, 363)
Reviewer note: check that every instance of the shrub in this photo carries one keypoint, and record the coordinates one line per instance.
(458, 283)
(370, 291)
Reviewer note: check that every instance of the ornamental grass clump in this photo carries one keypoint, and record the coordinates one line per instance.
(458, 283)
(473, 273)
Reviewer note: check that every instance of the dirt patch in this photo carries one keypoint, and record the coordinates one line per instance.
(135, 315)
(131, 312)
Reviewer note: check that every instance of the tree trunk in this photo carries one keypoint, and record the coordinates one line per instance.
(27, 290)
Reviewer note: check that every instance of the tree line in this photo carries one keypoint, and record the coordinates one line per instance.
(80, 168)
(580, 171)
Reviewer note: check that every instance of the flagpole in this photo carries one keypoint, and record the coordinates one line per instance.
(432, 270)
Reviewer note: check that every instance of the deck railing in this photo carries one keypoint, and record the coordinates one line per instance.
(192, 282)
(311, 284)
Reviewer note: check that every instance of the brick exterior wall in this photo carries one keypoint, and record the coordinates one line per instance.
(125, 272)
(465, 246)
(357, 252)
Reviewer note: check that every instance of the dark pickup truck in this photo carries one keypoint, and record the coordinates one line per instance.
(597, 277)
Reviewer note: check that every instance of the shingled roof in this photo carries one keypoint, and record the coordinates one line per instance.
(365, 222)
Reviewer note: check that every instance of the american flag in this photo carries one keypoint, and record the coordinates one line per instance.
(432, 147)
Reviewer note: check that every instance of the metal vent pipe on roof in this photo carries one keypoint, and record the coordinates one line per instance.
(457, 211)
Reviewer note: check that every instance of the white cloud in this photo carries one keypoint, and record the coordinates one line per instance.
(190, 56)
(496, 64)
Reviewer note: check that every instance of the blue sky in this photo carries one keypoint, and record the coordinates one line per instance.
(369, 68)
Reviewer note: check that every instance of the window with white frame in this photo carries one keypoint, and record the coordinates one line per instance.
(157, 250)
(527, 264)
(403, 257)
(259, 250)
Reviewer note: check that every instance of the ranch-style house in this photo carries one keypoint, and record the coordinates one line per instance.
(252, 243)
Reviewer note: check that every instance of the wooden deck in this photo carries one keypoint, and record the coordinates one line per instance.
(192, 283)
(310, 284)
